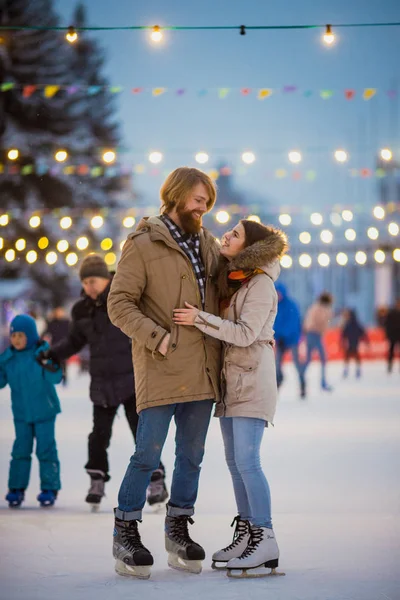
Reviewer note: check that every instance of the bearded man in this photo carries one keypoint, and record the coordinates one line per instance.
(169, 260)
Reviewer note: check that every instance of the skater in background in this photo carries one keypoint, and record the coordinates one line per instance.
(111, 375)
(249, 267)
(34, 404)
(287, 335)
(316, 322)
(352, 334)
(57, 329)
(392, 329)
(169, 259)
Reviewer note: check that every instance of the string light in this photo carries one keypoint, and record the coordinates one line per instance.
(341, 156)
(380, 256)
(71, 259)
(51, 258)
(328, 36)
(34, 221)
(294, 157)
(65, 222)
(62, 246)
(202, 158)
(386, 154)
(305, 260)
(4, 220)
(109, 156)
(335, 219)
(324, 260)
(1, 243)
(347, 215)
(155, 157)
(71, 36)
(350, 234)
(361, 257)
(61, 155)
(379, 212)
(342, 259)
(222, 217)
(10, 255)
(20, 244)
(156, 34)
(31, 256)
(129, 222)
(316, 219)
(396, 254)
(373, 233)
(393, 229)
(285, 219)
(326, 236)
(286, 261)
(13, 154)
(43, 243)
(248, 158)
(106, 244)
(305, 237)
(82, 243)
(110, 258)
(97, 222)
(254, 218)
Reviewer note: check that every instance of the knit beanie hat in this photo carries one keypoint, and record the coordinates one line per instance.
(27, 325)
(93, 266)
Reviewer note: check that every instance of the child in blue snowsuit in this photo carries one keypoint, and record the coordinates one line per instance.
(35, 404)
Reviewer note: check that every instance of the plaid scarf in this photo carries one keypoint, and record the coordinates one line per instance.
(190, 244)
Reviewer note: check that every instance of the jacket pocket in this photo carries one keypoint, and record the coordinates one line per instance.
(247, 358)
(172, 346)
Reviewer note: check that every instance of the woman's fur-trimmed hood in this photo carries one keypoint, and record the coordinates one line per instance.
(261, 254)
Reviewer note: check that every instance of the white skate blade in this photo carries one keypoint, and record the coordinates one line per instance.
(252, 573)
(94, 508)
(219, 565)
(139, 572)
(181, 564)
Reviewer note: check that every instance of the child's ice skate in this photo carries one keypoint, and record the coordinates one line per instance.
(239, 544)
(260, 558)
(15, 498)
(47, 498)
(157, 492)
(132, 559)
(183, 553)
(96, 490)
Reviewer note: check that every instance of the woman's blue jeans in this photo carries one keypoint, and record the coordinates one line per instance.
(242, 440)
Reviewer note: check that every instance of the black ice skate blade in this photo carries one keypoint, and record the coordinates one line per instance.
(252, 574)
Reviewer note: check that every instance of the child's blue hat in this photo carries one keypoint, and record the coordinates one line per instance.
(26, 325)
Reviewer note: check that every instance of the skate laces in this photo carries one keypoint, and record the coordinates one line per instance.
(256, 537)
(179, 529)
(131, 536)
(241, 530)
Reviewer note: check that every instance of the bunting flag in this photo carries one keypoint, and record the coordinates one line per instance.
(50, 91)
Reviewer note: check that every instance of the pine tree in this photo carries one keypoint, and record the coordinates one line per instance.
(38, 126)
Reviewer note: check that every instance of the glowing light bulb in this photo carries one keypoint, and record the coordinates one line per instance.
(65, 222)
(305, 260)
(202, 158)
(326, 236)
(361, 257)
(379, 212)
(106, 244)
(341, 156)
(34, 221)
(380, 256)
(335, 219)
(396, 254)
(347, 215)
(97, 222)
(285, 219)
(109, 156)
(31, 256)
(305, 237)
(328, 36)
(286, 261)
(10, 255)
(129, 222)
(156, 34)
(386, 154)
(323, 259)
(222, 217)
(51, 258)
(82, 243)
(1, 243)
(110, 258)
(4, 220)
(43, 243)
(350, 234)
(20, 244)
(294, 157)
(254, 218)
(61, 155)
(62, 246)
(342, 259)
(373, 233)
(13, 154)
(71, 259)
(155, 157)
(248, 157)
(71, 36)
(316, 219)
(393, 229)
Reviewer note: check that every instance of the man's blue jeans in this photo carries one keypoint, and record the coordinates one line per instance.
(242, 440)
(192, 420)
(315, 342)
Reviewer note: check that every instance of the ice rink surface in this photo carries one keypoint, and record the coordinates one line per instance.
(333, 464)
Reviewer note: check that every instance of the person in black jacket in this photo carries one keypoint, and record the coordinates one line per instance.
(111, 374)
(57, 329)
(351, 335)
(392, 328)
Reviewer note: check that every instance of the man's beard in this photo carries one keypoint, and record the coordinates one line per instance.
(189, 223)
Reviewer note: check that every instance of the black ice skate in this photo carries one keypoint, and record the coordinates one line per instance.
(157, 492)
(183, 553)
(241, 538)
(96, 490)
(132, 559)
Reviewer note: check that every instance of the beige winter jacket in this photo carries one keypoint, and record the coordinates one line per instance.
(249, 386)
(154, 277)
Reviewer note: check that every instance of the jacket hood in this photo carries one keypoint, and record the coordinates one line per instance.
(263, 255)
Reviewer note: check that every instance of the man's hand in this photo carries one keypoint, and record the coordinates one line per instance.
(163, 347)
(47, 358)
(185, 316)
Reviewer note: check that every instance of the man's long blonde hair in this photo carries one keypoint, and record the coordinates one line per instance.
(178, 185)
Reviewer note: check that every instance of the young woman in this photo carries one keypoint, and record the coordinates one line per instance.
(249, 267)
